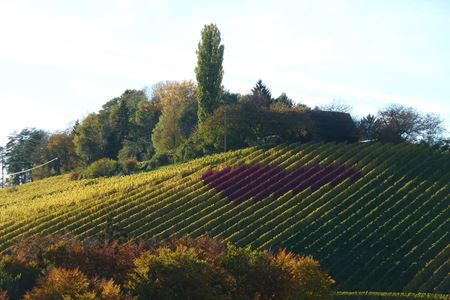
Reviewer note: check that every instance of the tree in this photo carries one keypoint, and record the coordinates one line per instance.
(209, 72)
(246, 125)
(119, 120)
(261, 96)
(284, 100)
(367, 127)
(117, 115)
(230, 98)
(336, 106)
(90, 141)
(61, 145)
(121, 129)
(178, 116)
(2, 166)
(24, 150)
(397, 123)
(260, 89)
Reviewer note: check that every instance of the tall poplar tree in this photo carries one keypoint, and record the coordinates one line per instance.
(209, 72)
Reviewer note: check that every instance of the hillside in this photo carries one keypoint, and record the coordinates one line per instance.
(376, 216)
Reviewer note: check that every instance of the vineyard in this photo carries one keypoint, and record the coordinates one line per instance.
(375, 215)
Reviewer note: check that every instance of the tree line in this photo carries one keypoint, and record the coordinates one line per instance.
(63, 267)
(175, 121)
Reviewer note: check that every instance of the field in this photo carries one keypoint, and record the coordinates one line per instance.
(376, 216)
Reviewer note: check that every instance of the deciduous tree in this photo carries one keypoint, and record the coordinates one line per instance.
(178, 117)
(209, 72)
(397, 123)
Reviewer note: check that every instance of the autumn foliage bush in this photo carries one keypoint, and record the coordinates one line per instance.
(67, 268)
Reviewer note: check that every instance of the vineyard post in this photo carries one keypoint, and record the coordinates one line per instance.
(2, 161)
(225, 131)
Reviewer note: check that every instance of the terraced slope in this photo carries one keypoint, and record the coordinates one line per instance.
(376, 216)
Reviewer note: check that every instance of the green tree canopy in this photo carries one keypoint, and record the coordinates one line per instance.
(122, 129)
(178, 116)
(25, 150)
(90, 140)
(260, 97)
(209, 72)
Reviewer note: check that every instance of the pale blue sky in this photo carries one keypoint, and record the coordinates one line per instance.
(60, 60)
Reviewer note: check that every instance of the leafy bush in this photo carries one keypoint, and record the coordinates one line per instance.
(61, 284)
(179, 269)
(256, 276)
(129, 165)
(104, 167)
(74, 175)
(262, 275)
(158, 160)
(17, 275)
(305, 279)
(108, 290)
(178, 274)
(107, 260)
(8, 282)
(246, 125)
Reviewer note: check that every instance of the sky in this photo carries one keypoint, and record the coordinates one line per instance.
(61, 60)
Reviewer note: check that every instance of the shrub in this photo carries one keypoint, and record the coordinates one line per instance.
(17, 276)
(305, 279)
(129, 165)
(179, 269)
(8, 282)
(158, 160)
(61, 284)
(178, 274)
(110, 291)
(74, 175)
(256, 276)
(103, 259)
(104, 167)
(262, 275)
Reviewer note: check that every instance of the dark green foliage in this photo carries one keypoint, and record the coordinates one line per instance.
(158, 160)
(443, 145)
(24, 150)
(333, 126)
(209, 72)
(17, 275)
(90, 141)
(245, 126)
(119, 119)
(8, 282)
(283, 100)
(367, 127)
(230, 98)
(104, 167)
(113, 231)
(121, 129)
(261, 95)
